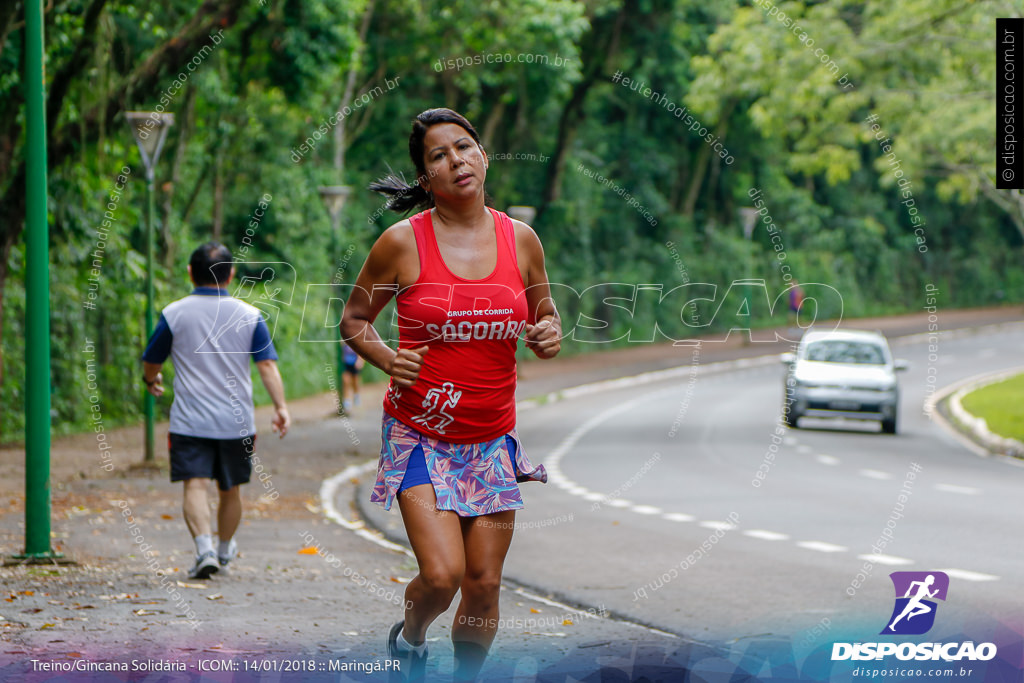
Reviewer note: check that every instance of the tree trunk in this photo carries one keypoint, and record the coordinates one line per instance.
(595, 53)
(218, 194)
(491, 125)
(184, 133)
(346, 98)
(703, 157)
(65, 143)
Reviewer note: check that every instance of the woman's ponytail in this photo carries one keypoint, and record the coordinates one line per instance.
(402, 197)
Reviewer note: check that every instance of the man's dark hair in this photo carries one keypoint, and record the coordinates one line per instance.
(211, 265)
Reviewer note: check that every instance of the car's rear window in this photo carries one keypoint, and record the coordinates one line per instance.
(836, 351)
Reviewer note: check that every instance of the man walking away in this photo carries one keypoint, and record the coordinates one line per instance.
(210, 337)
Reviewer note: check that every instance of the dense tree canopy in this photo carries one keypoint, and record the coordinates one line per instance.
(609, 117)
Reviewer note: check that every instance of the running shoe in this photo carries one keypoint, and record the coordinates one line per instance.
(205, 567)
(411, 666)
(225, 560)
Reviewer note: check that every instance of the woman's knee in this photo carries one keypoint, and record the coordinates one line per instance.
(443, 581)
(482, 588)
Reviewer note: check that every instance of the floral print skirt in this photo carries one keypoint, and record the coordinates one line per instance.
(470, 479)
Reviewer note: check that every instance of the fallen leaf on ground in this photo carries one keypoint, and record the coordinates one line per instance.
(307, 551)
(46, 626)
(567, 622)
(201, 586)
(534, 610)
(166, 516)
(215, 596)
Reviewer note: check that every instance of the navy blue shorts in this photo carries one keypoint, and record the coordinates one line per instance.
(226, 460)
(416, 472)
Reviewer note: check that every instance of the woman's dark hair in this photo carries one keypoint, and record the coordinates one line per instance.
(211, 265)
(403, 197)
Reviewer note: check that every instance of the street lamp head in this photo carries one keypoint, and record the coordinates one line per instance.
(525, 214)
(334, 198)
(749, 217)
(149, 128)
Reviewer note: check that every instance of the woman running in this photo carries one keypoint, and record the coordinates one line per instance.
(469, 282)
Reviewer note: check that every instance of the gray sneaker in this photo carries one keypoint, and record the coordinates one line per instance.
(411, 666)
(205, 567)
(225, 560)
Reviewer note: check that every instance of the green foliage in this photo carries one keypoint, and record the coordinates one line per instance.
(668, 213)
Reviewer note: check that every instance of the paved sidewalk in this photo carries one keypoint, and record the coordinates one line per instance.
(280, 602)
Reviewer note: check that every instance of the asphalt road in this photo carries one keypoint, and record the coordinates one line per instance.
(654, 509)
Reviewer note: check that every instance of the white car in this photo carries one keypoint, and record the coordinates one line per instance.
(842, 373)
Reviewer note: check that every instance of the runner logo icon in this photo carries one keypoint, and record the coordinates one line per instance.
(914, 611)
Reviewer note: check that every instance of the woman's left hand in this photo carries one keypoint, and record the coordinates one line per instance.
(544, 338)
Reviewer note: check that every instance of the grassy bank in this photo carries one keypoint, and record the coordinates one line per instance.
(1001, 405)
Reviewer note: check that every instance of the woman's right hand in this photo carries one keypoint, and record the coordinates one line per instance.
(405, 367)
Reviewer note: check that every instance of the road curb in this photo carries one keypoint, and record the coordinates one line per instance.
(367, 530)
(972, 431)
(977, 427)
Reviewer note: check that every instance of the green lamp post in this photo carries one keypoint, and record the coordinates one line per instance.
(150, 132)
(334, 198)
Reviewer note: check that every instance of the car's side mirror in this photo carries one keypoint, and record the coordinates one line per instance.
(900, 365)
(787, 358)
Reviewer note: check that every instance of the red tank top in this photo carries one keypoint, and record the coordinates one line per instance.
(466, 389)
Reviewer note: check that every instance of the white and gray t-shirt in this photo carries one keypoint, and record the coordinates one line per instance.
(210, 337)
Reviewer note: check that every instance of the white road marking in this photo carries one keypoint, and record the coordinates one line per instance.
(328, 492)
(619, 503)
(953, 488)
(875, 474)
(713, 524)
(803, 449)
(592, 496)
(678, 517)
(646, 509)
(827, 459)
(823, 547)
(789, 440)
(968, 575)
(878, 558)
(766, 535)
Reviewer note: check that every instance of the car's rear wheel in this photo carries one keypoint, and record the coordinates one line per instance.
(889, 426)
(790, 416)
